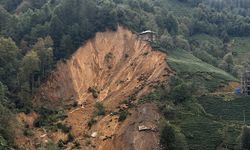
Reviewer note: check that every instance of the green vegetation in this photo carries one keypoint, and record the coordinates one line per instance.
(122, 115)
(183, 61)
(91, 122)
(168, 138)
(100, 110)
(228, 110)
(245, 138)
(48, 118)
(94, 91)
(28, 132)
(63, 127)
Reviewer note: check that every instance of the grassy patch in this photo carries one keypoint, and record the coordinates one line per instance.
(227, 110)
(183, 61)
(201, 133)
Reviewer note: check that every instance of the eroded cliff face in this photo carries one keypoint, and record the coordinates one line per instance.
(116, 66)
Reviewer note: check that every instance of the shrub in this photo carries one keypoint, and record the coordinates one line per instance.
(91, 122)
(166, 41)
(48, 117)
(60, 143)
(3, 143)
(52, 146)
(122, 115)
(63, 127)
(181, 93)
(77, 145)
(100, 110)
(28, 132)
(169, 112)
(94, 91)
(182, 43)
(167, 138)
(108, 57)
(206, 57)
(126, 55)
(70, 138)
(75, 104)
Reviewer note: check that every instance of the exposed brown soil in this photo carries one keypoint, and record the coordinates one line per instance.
(118, 66)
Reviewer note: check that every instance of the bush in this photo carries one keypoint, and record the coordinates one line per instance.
(100, 110)
(63, 127)
(182, 43)
(28, 132)
(181, 93)
(204, 56)
(3, 143)
(94, 91)
(167, 138)
(60, 143)
(166, 41)
(48, 117)
(169, 112)
(52, 146)
(108, 57)
(91, 122)
(122, 115)
(77, 145)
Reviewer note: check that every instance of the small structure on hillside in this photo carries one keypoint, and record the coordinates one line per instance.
(148, 35)
(245, 83)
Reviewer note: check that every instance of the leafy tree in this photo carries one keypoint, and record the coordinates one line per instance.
(2, 92)
(167, 41)
(167, 21)
(30, 65)
(66, 45)
(181, 93)
(167, 138)
(9, 62)
(11, 5)
(8, 123)
(181, 42)
(44, 49)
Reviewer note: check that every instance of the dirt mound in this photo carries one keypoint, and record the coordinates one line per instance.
(110, 68)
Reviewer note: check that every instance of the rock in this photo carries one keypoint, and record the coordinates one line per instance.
(143, 128)
(102, 137)
(42, 136)
(105, 137)
(94, 135)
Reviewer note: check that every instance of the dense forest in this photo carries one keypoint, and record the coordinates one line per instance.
(36, 34)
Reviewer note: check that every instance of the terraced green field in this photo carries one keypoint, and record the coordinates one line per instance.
(227, 110)
(183, 61)
(202, 133)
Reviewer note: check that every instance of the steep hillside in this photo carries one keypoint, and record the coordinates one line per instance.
(114, 63)
(114, 68)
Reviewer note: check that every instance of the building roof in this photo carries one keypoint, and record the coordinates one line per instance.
(147, 31)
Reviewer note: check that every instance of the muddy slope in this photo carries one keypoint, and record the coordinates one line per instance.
(116, 63)
(118, 66)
